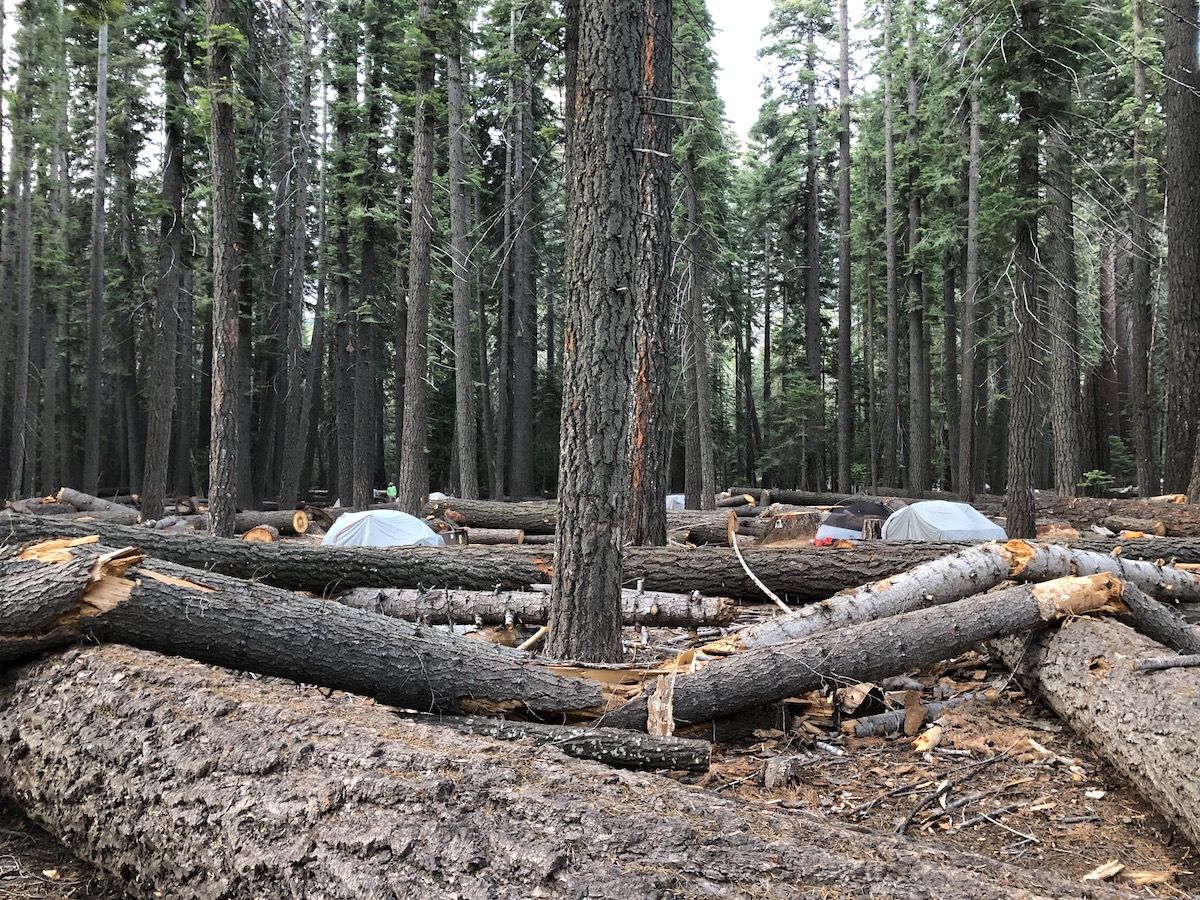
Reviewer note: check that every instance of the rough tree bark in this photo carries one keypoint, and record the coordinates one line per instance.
(813, 325)
(224, 447)
(969, 412)
(95, 365)
(919, 425)
(845, 374)
(1141, 300)
(413, 480)
(301, 800)
(464, 378)
(871, 651)
(699, 487)
(585, 611)
(649, 426)
(1143, 724)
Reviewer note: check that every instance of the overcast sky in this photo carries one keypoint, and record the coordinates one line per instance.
(739, 25)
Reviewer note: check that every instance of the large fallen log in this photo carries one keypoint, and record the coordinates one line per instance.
(873, 650)
(954, 577)
(801, 573)
(183, 781)
(1143, 724)
(444, 606)
(89, 593)
(87, 503)
(287, 521)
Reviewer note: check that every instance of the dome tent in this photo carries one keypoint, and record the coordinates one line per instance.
(381, 528)
(939, 520)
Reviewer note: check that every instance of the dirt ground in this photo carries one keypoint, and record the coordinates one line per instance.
(34, 866)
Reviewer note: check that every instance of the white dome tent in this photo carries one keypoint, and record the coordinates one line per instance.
(939, 520)
(381, 528)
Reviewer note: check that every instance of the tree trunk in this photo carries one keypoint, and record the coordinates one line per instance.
(969, 411)
(161, 399)
(648, 426)
(700, 453)
(207, 617)
(1141, 298)
(1063, 319)
(441, 607)
(585, 612)
(413, 482)
(890, 471)
(524, 287)
(871, 651)
(845, 376)
(919, 424)
(226, 440)
(1182, 108)
(250, 795)
(464, 377)
(95, 364)
(1143, 724)
(344, 50)
(813, 325)
(1022, 344)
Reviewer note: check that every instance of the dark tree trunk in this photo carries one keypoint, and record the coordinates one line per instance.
(464, 369)
(919, 425)
(890, 470)
(1182, 140)
(1141, 300)
(845, 376)
(602, 170)
(226, 440)
(970, 414)
(1063, 319)
(413, 483)
(17, 479)
(524, 288)
(95, 366)
(648, 428)
(1022, 345)
(701, 489)
(812, 286)
(161, 399)
(345, 52)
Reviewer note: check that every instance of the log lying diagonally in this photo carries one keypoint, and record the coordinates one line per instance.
(1144, 725)
(963, 574)
(872, 650)
(91, 593)
(198, 784)
(443, 606)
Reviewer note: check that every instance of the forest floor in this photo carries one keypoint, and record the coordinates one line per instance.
(34, 866)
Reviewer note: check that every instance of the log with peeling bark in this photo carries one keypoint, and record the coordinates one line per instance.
(444, 606)
(962, 574)
(87, 503)
(612, 746)
(800, 573)
(873, 650)
(1143, 724)
(40, 506)
(189, 782)
(101, 595)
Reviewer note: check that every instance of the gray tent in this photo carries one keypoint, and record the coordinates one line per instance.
(381, 528)
(938, 520)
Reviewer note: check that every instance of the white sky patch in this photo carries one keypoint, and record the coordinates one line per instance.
(739, 25)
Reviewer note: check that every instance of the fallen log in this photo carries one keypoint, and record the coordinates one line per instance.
(285, 521)
(188, 782)
(736, 500)
(531, 516)
(1124, 523)
(873, 650)
(87, 503)
(247, 626)
(612, 746)
(954, 577)
(262, 534)
(40, 506)
(444, 606)
(1142, 724)
(487, 536)
(800, 573)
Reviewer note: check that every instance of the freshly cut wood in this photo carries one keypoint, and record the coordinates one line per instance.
(487, 536)
(611, 746)
(799, 573)
(954, 577)
(285, 521)
(87, 503)
(1143, 724)
(262, 534)
(736, 500)
(1124, 523)
(873, 650)
(251, 627)
(497, 607)
(182, 780)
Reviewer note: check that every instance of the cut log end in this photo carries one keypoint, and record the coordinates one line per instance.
(262, 534)
(300, 521)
